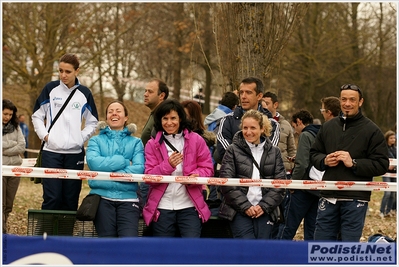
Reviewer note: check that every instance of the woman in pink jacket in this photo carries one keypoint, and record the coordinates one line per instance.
(176, 151)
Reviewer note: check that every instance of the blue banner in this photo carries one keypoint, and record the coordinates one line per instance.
(151, 250)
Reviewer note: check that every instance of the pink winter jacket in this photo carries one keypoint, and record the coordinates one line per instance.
(196, 160)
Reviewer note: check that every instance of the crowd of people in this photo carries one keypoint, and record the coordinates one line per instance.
(244, 137)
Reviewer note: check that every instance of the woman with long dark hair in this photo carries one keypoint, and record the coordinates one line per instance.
(176, 150)
(13, 148)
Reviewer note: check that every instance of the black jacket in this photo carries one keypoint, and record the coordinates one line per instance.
(363, 140)
(237, 163)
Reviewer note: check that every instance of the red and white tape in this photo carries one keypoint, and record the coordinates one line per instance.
(21, 171)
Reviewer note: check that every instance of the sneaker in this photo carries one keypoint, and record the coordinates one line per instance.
(382, 215)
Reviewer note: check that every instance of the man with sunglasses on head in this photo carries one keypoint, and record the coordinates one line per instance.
(349, 147)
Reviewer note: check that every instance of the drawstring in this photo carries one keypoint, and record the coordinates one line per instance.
(346, 117)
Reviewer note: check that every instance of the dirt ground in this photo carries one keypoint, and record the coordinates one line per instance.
(29, 196)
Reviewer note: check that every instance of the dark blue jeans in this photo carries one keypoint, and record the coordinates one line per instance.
(245, 227)
(144, 188)
(299, 205)
(61, 194)
(117, 218)
(344, 218)
(186, 221)
(388, 199)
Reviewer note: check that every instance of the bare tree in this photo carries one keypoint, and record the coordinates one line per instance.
(323, 54)
(35, 36)
(251, 36)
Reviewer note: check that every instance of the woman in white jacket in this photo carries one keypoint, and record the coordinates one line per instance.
(13, 148)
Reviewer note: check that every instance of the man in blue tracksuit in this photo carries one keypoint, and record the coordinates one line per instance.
(349, 147)
(63, 146)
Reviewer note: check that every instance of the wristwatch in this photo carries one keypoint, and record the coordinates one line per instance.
(354, 164)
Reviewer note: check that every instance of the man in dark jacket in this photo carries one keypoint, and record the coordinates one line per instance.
(250, 92)
(349, 147)
(301, 204)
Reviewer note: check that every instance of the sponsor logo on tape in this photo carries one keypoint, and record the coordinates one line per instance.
(217, 181)
(314, 184)
(120, 176)
(344, 184)
(87, 175)
(59, 173)
(253, 182)
(377, 185)
(185, 179)
(18, 171)
(277, 183)
(152, 178)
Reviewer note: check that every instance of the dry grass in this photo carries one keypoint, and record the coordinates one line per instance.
(29, 196)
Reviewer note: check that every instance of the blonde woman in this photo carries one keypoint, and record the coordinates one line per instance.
(248, 208)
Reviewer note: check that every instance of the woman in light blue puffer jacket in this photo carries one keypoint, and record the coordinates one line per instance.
(114, 149)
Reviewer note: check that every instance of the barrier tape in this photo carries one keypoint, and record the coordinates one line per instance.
(20, 171)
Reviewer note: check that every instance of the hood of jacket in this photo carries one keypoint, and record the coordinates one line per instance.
(312, 128)
(104, 128)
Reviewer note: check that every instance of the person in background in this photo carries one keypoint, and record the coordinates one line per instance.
(194, 115)
(156, 91)
(250, 92)
(25, 131)
(330, 107)
(287, 140)
(13, 148)
(176, 150)
(349, 147)
(114, 149)
(301, 204)
(228, 103)
(389, 197)
(200, 99)
(316, 121)
(251, 155)
(64, 144)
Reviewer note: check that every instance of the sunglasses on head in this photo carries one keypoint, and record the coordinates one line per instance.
(351, 87)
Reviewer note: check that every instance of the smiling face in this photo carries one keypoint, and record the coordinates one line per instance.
(67, 74)
(350, 102)
(116, 117)
(251, 130)
(171, 122)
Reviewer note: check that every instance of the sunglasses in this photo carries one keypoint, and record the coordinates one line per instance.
(352, 87)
